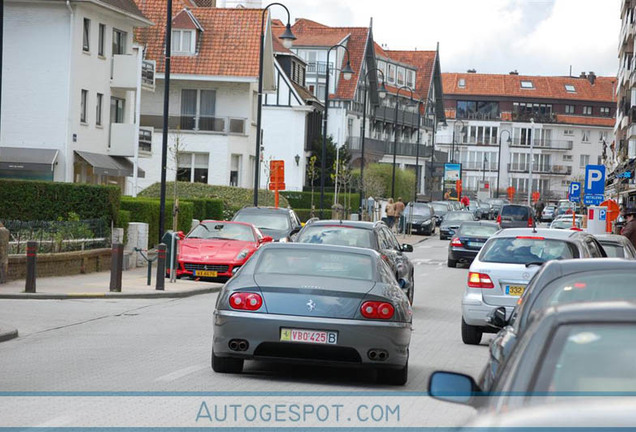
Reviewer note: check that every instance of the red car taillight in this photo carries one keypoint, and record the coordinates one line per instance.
(530, 222)
(246, 301)
(456, 242)
(377, 310)
(479, 280)
(499, 219)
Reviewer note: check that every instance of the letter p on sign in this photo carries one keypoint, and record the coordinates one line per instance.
(595, 179)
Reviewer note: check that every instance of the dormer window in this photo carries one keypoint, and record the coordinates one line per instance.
(410, 79)
(570, 88)
(184, 42)
(527, 85)
(461, 83)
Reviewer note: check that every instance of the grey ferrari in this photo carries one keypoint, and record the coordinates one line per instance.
(316, 304)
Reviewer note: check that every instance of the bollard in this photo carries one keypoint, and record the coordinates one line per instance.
(149, 277)
(161, 267)
(32, 251)
(116, 266)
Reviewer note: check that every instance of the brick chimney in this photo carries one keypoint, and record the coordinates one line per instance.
(471, 71)
(514, 72)
(591, 76)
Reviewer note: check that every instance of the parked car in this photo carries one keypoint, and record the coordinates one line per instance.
(475, 208)
(496, 204)
(565, 207)
(218, 249)
(279, 223)
(547, 215)
(441, 208)
(617, 246)
(421, 217)
(577, 348)
(369, 235)
(452, 221)
(515, 216)
(566, 222)
(486, 210)
(316, 304)
(557, 282)
(468, 241)
(501, 271)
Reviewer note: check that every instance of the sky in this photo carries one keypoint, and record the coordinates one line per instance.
(534, 37)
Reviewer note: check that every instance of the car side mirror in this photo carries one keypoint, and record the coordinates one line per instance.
(181, 235)
(406, 248)
(497, 318)
(296, 230)
(453, 387)
(266, 239)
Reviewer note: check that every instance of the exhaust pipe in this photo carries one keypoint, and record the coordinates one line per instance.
(238, 345)
(377, 354)
(242, 345)
(234, 345)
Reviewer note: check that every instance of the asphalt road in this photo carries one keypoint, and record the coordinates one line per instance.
(164, 346)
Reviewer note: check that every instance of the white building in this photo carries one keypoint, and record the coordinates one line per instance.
(70, 78)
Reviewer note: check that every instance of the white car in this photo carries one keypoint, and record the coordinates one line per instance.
(565, 222)
(501, 271)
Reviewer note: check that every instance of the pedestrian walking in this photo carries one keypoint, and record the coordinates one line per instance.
(629, 230)
(465, 201)
(399, 214)
(390, 213)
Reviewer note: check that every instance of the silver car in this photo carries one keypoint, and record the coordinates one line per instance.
(500, 273)
(311, 303)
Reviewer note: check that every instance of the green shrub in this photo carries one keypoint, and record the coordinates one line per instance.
(205, 208)
(147, 211)
(123, 219)
(29, 200)
(232, 197)
(378, 178)
(302, 200)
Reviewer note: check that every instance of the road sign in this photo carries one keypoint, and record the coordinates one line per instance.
(592, 199)
(535, 196)
(602, 214)
(277, 171)
(511, 193)
(595, 179)
(574, 192)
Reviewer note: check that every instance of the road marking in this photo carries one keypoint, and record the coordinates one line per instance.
(62, 420)
(173, 376)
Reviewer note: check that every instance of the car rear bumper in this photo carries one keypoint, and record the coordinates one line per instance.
(461, 254)
(355, 339)
(475, 310)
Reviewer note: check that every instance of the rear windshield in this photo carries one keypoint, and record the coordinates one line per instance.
(613, 250)
(588, 286)
(440, 207)
(336, 235)
(459, 216)
(220, 230)
(265, 220)
(513, 250)
(419, 211)
(565, 223)
(515, 213)
(327, 263)
(477, 230)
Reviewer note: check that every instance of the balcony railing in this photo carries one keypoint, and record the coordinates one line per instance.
(469, 143)
(319, 68)
(543, 144)
(479, 116)
(387, 114)
(540, 169)
(124, 72)
(479, 166)
(378, 147)
(145, 140)
(222, 125)
(538, 117)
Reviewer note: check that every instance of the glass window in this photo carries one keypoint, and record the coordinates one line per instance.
(569, 109)
(117, 106)
(570, 88)
(192, 167)
(268, 221)
(458, 216)
(306, 262)
(83, 105)
(98, 113)
(584, 161)
(337, 235)
(410, 79)
(391, 74)
(468, 229)
(221, 230)
(522, 250)
(461, 83)
(587, 110)
(119, 42)
(605, 111)
(86, 35)
(183, 42)
(101, 41)
(527, 84)
(400, 75)
(613, 250)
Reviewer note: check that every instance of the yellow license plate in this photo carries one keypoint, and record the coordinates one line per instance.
(205, 273)
(308, 336)
(515, 290)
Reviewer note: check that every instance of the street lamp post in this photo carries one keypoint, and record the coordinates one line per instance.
(288, 39)
(509, 141)
(395, 138)
(381, 94)
(347, 73)
(483, 168)
(531, 161)
(417, 150)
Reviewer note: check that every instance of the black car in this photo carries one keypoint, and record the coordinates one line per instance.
(421, 218)
(368, 235)
(486, 210)
(577, 348)
(452, 221)
(557, 282)
(496, 204)
(441, 208)
(468, 241)
(279, 223)
(516, 216)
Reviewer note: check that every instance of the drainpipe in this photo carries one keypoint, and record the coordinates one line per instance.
(140, 56)
(68, 159)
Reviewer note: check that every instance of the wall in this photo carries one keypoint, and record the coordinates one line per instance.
(61, 264)
(35, 77)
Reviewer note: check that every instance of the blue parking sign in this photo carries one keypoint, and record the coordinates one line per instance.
(574, 192)
(602, 215)
(595, 179)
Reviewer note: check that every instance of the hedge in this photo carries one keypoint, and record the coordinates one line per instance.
(147, 211)
(206, 208)
(29, 200)
(123, 219)
(302, 200)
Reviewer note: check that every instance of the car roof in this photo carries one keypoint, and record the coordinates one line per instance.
(606, 312)
(324, 247)
(261, 209)
(347, 223)
(538, 232)
(516, 205)
(611, 238)
(480, 223)
(558, 268)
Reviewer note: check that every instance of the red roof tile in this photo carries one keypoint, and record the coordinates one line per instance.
(544, 87)
(586, 120)
(229, 44)
(424, 61)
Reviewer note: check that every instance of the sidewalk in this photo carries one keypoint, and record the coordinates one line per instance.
(96, 285)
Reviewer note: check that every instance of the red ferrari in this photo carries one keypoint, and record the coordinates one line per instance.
(215, 249)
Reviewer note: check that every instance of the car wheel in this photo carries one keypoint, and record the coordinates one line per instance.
(451, 263)
(226, 364)
(471, 335)
(396, 377)
(429, 232)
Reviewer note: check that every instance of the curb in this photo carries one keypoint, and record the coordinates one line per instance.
(109, 295)
(7, 332)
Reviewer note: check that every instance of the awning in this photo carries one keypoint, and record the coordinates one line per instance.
(27, 159)
(114, 166)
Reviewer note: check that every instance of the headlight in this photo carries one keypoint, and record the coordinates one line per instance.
(242, 254)
(426, 222)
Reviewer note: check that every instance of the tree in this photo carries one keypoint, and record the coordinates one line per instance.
(316, 150)
(312, 175)
(377, 181)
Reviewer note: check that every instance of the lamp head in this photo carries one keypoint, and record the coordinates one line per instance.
(509, 140)
(382, 91)
(297, 159)
(287, 37)
(347, 72)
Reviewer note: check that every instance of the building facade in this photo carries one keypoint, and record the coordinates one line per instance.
(71, 77)
(498, 124)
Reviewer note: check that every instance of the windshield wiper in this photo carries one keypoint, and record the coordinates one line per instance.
(535, 263)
